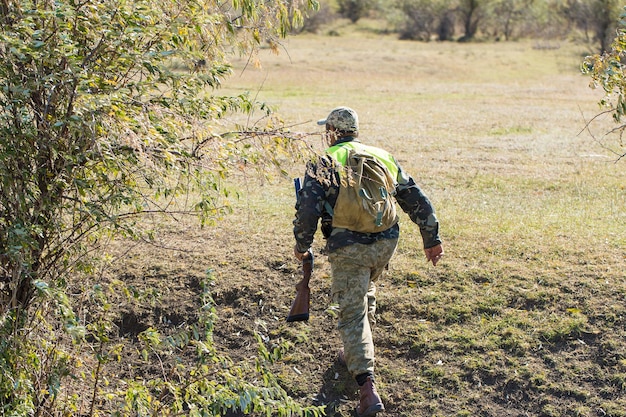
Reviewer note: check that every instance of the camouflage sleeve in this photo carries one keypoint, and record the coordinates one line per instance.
(309, 209)
(415, 203)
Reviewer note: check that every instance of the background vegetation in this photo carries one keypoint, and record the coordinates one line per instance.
(589, 21)
(114, 134)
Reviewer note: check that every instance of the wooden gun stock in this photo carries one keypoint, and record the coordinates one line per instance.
(299, 310)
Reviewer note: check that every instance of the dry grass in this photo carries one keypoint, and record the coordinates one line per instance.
(491, 131)
(526, 314)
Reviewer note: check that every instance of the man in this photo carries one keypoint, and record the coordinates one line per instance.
(357, 259)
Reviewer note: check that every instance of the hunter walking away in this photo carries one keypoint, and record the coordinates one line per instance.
(352, 192)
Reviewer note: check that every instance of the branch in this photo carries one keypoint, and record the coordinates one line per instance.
(619, 129)
(249, 134)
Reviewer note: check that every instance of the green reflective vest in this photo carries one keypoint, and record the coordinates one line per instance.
(339, 153)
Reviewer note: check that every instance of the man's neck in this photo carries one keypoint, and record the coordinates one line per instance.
(344, 139)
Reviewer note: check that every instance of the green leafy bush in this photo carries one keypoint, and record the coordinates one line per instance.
(109, 113)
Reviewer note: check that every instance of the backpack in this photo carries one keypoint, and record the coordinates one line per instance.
(365, 201)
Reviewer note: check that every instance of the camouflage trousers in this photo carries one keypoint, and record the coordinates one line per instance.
(355, 269)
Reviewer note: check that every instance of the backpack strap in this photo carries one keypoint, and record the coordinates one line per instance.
(329, 208)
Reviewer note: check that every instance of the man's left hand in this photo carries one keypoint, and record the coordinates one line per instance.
(434, 254)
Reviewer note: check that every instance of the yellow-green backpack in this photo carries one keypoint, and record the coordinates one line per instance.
(365, 202)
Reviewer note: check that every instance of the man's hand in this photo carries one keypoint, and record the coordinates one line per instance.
(298, 255)
(434, 254)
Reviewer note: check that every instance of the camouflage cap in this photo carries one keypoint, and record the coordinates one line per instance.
(342, 118)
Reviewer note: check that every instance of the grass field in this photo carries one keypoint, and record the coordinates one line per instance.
(526, 313)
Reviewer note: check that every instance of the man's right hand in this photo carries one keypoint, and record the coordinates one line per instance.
(434, 254)
(298, 255)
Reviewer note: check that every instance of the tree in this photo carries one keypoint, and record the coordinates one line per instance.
(596, 16)
(109, 111)
(508, 14)
(472, 13)
(605, 13)
(423, 18)
(355, 9)
(100, 102)
(607, 71)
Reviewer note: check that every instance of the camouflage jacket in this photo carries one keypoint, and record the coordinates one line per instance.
(319, 191)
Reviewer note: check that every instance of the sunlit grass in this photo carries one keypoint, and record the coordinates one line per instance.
(526, 310)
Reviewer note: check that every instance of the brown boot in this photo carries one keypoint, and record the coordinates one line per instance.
(369, 402)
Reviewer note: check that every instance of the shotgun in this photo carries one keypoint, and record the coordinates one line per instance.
(299, 310)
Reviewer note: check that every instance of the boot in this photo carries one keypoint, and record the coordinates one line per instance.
(341, 357)
(369, 401)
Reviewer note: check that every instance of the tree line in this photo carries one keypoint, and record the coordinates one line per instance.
(590, 21)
